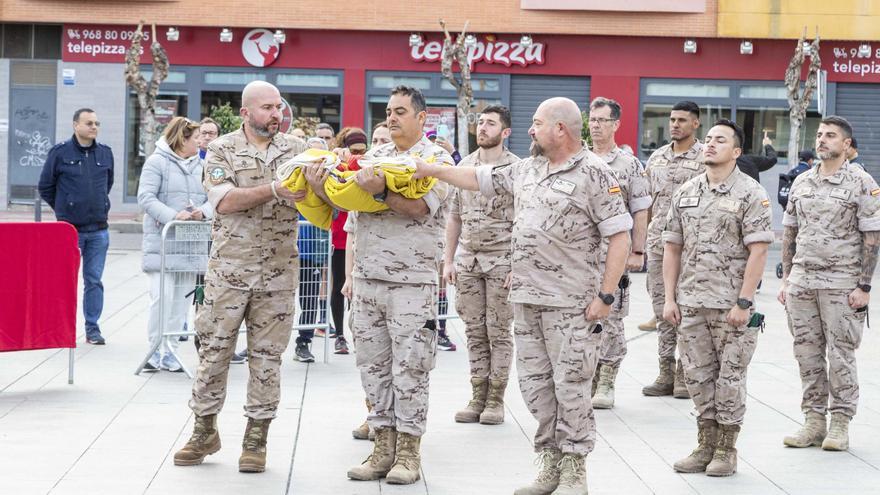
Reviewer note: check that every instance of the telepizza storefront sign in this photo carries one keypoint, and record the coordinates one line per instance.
(488, 50)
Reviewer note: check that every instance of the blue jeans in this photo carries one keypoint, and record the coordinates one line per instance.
(93, 248)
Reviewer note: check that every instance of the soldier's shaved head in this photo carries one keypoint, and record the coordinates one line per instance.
(261, 106)
(563, 110)
(257, 90)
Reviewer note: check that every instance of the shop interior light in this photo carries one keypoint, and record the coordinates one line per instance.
(416, 39)
(226, 35)
(746, 48)
(690, 46)
(279, 36)
(864, 50)
(525, 40)
(808, 48)
(172, 34)
(470, 40)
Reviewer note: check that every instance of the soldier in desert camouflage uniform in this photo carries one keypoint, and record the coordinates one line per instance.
(478, 237)
(717, 233)
(566, 200)
(397, 253)
(251, 276)
(668, 168)
(604, 122)
(829, 253)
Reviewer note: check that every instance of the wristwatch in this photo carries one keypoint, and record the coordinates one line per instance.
(380, 197)
(607, 299)
(865, 287)
(743, 303)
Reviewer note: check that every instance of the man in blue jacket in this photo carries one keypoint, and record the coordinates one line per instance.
(76, 182)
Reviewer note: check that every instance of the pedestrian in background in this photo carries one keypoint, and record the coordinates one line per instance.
(170, 188)
(76, 182)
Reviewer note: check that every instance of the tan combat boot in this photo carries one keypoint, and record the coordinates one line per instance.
(572, 475)
(405, 470)
(648, 326)
(548, 475)
(363, 432)
(253, 446)
(494, 412)
(679, 387)
(379, 462)
(604, 396)
(204, 441)
(707, 437)
(812, 433)
(664, 383)
(724, 460)
(471, 413)
(838, 433)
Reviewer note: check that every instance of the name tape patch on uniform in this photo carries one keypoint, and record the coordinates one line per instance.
(688, 201)
(217, 174)
(875, 192)
(839, 193)
(563, 186)
(691, 165)
(729, 205)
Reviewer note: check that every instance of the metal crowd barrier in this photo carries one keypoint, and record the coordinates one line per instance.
(184, 254)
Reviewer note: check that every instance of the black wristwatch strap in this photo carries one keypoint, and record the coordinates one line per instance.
(743, 303)
(380, 197)
(865, 287)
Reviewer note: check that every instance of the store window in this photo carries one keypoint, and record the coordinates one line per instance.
(168, 106)
(440, 97)
(655, 124)
(758, 107)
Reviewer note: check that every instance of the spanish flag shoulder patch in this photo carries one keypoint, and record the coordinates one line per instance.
(875, 192)
(765, 203)
(614, 190)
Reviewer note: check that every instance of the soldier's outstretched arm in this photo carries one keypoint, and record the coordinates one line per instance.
(245, 198)
(463, 177)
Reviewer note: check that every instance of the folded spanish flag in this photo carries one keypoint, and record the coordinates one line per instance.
(341, 188)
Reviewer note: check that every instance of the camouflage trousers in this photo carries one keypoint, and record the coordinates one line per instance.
(825, 327)
(556, 357)
(481, 302)
(613, 346)
(269, 319)
(395, 351)
(715, 356)
(666, 337)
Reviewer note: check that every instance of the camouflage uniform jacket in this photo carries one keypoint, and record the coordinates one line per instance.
(253, 249)
(393, 247)
(560, 218)
(715, 225)
(486, 223)
(830, 214)
(633, 183)
(666, 173)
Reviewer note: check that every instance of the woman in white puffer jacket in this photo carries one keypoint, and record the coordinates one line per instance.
(171, 189)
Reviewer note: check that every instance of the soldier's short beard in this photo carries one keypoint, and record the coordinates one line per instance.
(261, 130)
(535, 149)
(491, 142)
(829, 155)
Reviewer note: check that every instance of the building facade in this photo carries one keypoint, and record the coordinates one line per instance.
(343, 75)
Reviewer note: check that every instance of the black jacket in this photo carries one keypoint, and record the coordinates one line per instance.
(752, 164)
(76, 182)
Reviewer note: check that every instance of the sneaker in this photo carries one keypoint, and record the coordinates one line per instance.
(444, 343)
(239, 357)
(183, 338)
(341, 346)
(303, 354)
(93, 336)
(323, 333)
(170, 363)
(149, 367)
(153, 363)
